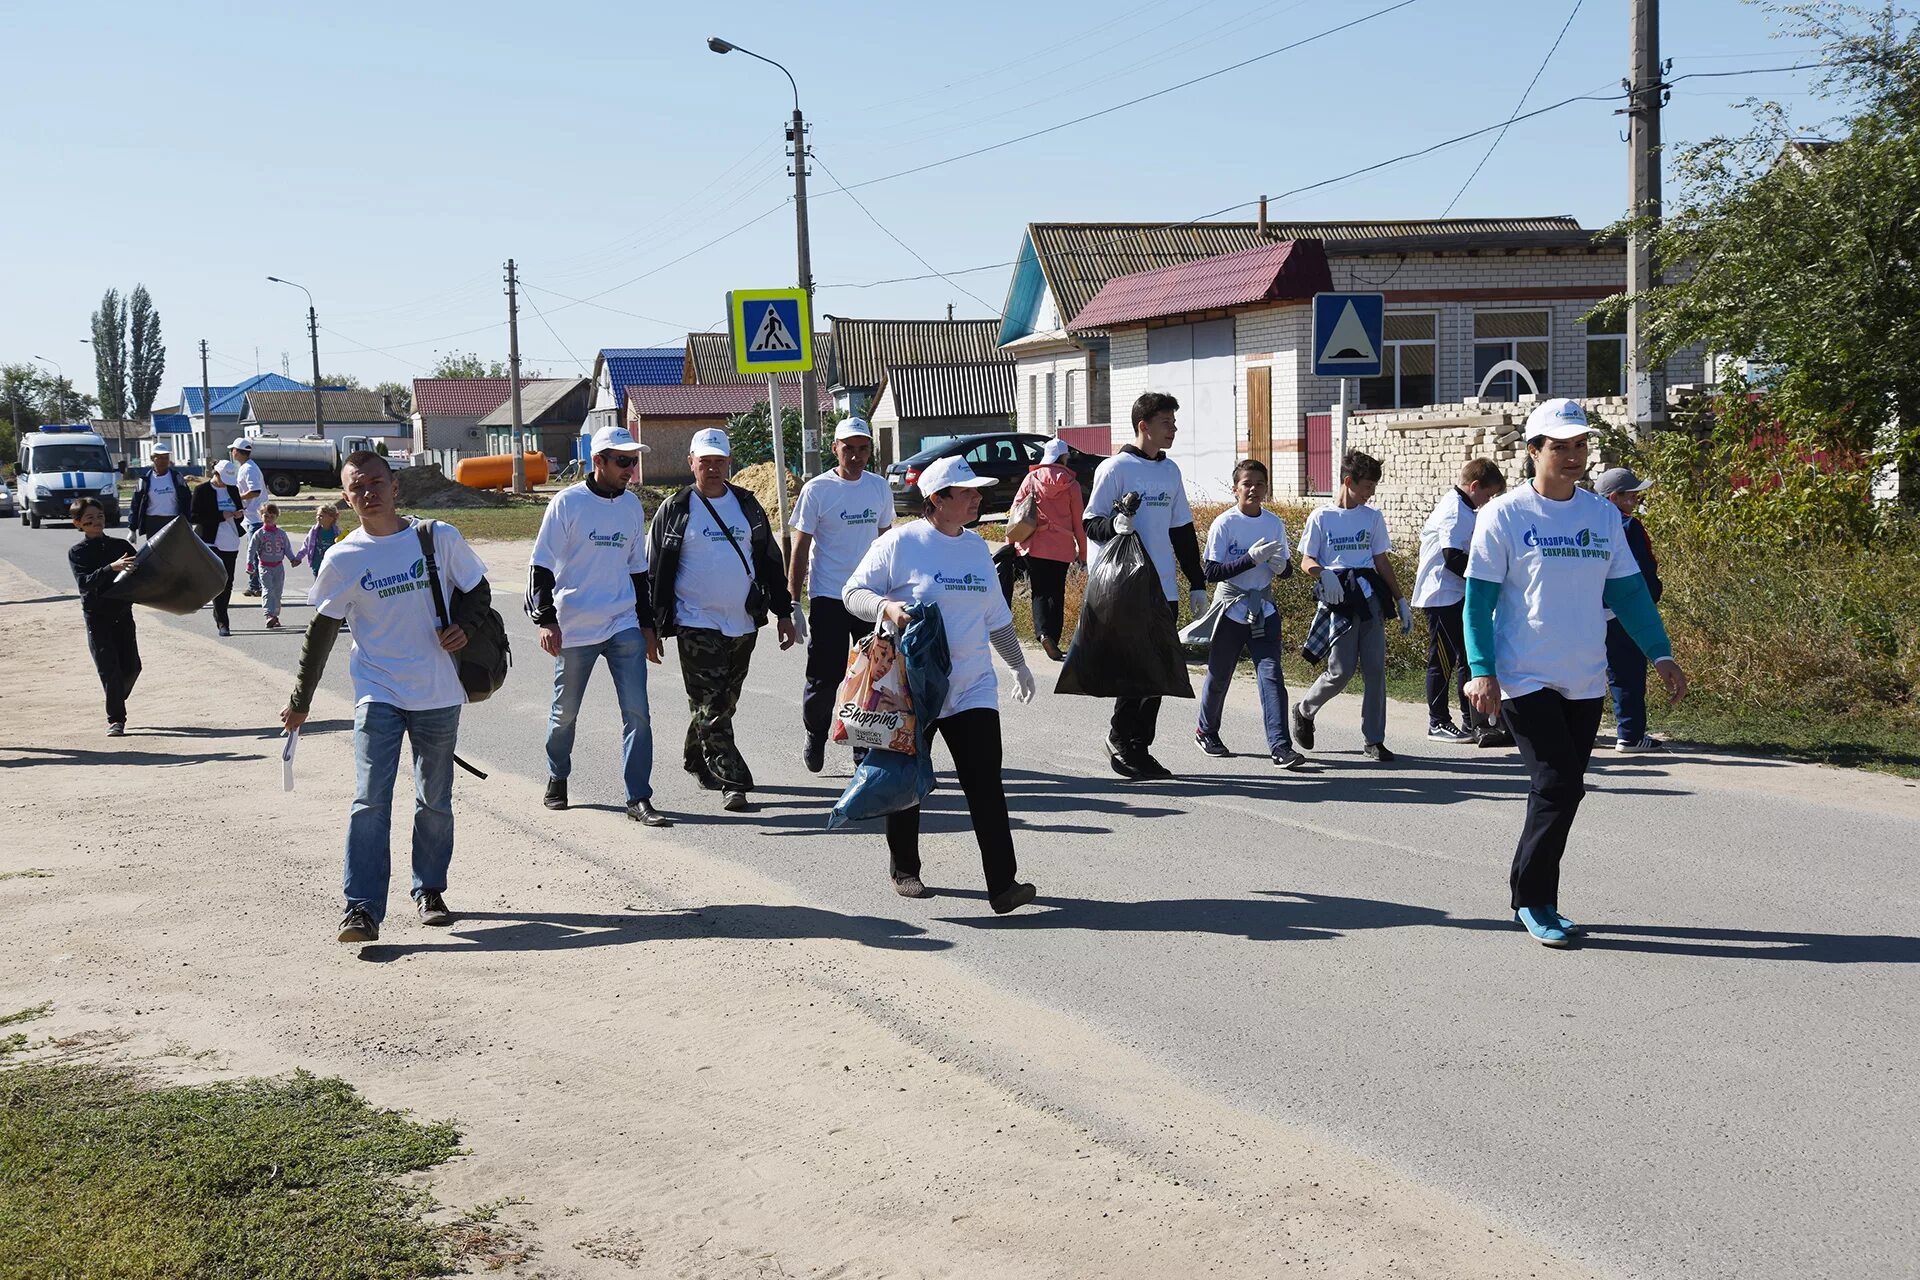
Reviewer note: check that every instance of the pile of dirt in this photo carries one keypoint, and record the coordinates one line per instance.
(426, 486)
(758, 480)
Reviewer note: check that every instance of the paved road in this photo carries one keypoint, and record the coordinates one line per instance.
(1720, 1083)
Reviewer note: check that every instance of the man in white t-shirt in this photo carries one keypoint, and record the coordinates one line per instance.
(1344, 549)
(1440, 590)
(587, 593)
(405, 686)
(840, 514)
(160, 495)
(246, 477)
(1141, 488)
(717, 576)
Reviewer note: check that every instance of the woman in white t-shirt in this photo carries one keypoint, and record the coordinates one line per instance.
(1548, 560)
(939, 559)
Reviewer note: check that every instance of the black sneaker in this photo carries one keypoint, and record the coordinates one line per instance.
(1378, 751)
(1149, 769)
(433, 909)
(814, 754)
(643, 812)
(1302, 728)
(1210, 744)
(1122, 764)
(735, 802)
(1493, 736)
(1447, 731)
(1290, 760)
(1014, 896)
(556, 797)
(358, 926)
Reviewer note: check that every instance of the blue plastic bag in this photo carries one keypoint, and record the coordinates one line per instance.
(888, 781)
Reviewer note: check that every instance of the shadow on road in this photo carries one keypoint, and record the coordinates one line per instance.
(40, 600)
(1273, 915)
(567, 931)
(66, 755)
(259, 734)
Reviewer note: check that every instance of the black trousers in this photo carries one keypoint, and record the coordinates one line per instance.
(220, 602)
(1047, 585)
(150, 525)
(116, 656)
(1554, 736)
(973, 739)
(831, 630)
(1447, 664)
(1135, 720)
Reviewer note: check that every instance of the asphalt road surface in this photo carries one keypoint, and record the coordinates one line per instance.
(1721, 1082)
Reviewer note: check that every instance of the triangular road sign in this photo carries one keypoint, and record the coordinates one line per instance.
(771, 334)
(1349, 340)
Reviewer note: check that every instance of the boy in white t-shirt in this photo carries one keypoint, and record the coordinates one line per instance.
(1344, 548)
(1246, 554)
(405, 684)
(839, 515)
(1440, 590)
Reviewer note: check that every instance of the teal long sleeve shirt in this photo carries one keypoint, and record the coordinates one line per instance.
(1628, 597)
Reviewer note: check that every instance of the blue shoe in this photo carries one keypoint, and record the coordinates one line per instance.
(1566, 925)
(1544, 925)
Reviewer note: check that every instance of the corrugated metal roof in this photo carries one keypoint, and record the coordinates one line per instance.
(1079, 258)
(295, 407)
(232, 400)
(536, 399)
(460, 397)
(693, 401)
(1293, 269)
(862, 349)
(976, 389)
(710, 361)
(641, 367)
(176, 423)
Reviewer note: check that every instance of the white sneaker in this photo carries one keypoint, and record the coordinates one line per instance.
(1645, 744)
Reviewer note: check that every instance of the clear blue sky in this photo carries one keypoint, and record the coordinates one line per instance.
(392, 156)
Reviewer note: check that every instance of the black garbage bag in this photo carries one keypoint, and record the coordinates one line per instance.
(175, 572)
(1126, 645)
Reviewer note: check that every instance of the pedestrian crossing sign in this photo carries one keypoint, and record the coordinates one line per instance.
(772, 330)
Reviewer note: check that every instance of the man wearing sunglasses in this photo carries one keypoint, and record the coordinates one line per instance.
(587, 593)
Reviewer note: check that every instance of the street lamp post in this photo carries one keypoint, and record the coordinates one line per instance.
(59, 387)
(797, 135)
(313, 335)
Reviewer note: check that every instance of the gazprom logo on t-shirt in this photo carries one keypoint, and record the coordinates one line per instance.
(1161, 499)
(1585, 544)
(1360, 541)
(712, 534)
(616, 539)
(965, 582)
(869, 516)
(394, 583)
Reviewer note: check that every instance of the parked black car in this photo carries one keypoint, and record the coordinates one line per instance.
(1004, 455)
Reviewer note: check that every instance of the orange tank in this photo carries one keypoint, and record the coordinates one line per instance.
(496, 471)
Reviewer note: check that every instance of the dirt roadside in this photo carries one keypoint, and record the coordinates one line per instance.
(672, 1066)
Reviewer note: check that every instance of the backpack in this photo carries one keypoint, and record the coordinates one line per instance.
(483, 663)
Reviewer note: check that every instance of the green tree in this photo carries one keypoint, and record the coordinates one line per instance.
(110, 354)
(1805, 258)
(468, 364)
(753, 443)
(342, 382)
(146, 352)
(399, 395)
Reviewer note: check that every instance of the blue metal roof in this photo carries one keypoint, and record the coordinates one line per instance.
(642, 367)
(232, 401)
(177, 423)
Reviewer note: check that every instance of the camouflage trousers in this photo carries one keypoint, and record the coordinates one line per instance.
(714, 665)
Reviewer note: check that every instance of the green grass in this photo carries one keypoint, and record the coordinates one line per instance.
(102, 1175)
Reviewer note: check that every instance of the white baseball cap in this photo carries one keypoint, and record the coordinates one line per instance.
(243, 444)
(950, 472)
(160, 449)
(851, 429)
(1055, 451)
(616, 439)
(1557, 419)
(710, 443)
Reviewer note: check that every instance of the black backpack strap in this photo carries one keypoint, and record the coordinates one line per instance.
(424, 530)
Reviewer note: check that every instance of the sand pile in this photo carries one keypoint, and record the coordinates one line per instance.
(758, 481)
(426, 485)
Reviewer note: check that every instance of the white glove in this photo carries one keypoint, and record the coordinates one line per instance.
(1121, 522)
(1331, 592)
(1263, 550)
(1406, 617)
(799, 625)
(1023, 685)
(1196, 602)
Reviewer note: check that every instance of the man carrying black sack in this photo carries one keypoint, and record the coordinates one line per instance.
(1140, 488)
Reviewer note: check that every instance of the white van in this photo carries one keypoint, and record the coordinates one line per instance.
(59, 463)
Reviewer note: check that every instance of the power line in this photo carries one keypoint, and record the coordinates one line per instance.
(1524, 95)
(601, 306)
(903, 244)
(557, 338)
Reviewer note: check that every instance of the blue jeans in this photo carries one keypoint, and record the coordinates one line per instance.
(626, 656)
(377, 730)
(1627, 680)
(1230, 640)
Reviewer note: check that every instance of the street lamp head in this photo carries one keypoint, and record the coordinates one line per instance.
(718, 45)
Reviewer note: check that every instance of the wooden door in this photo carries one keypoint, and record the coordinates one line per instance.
(1260, 415)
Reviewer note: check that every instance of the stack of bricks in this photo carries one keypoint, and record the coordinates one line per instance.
(1423, 449)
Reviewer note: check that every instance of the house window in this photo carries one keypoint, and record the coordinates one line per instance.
(1033, 402)
(1510, 335)
(1606, 356)
(1075, 401)
(1053, 405)
(1408, 358)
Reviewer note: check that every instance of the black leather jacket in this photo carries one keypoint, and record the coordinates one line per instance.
(669, 530)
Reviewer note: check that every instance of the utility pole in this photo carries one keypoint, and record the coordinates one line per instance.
(809, 384)
(313, 336)
(949, 311)
(1646, 93)
(514, 447)
(206, 402)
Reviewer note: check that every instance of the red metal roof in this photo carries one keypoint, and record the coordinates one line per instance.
(1290, 270)
(700, 400)
(461, 397)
